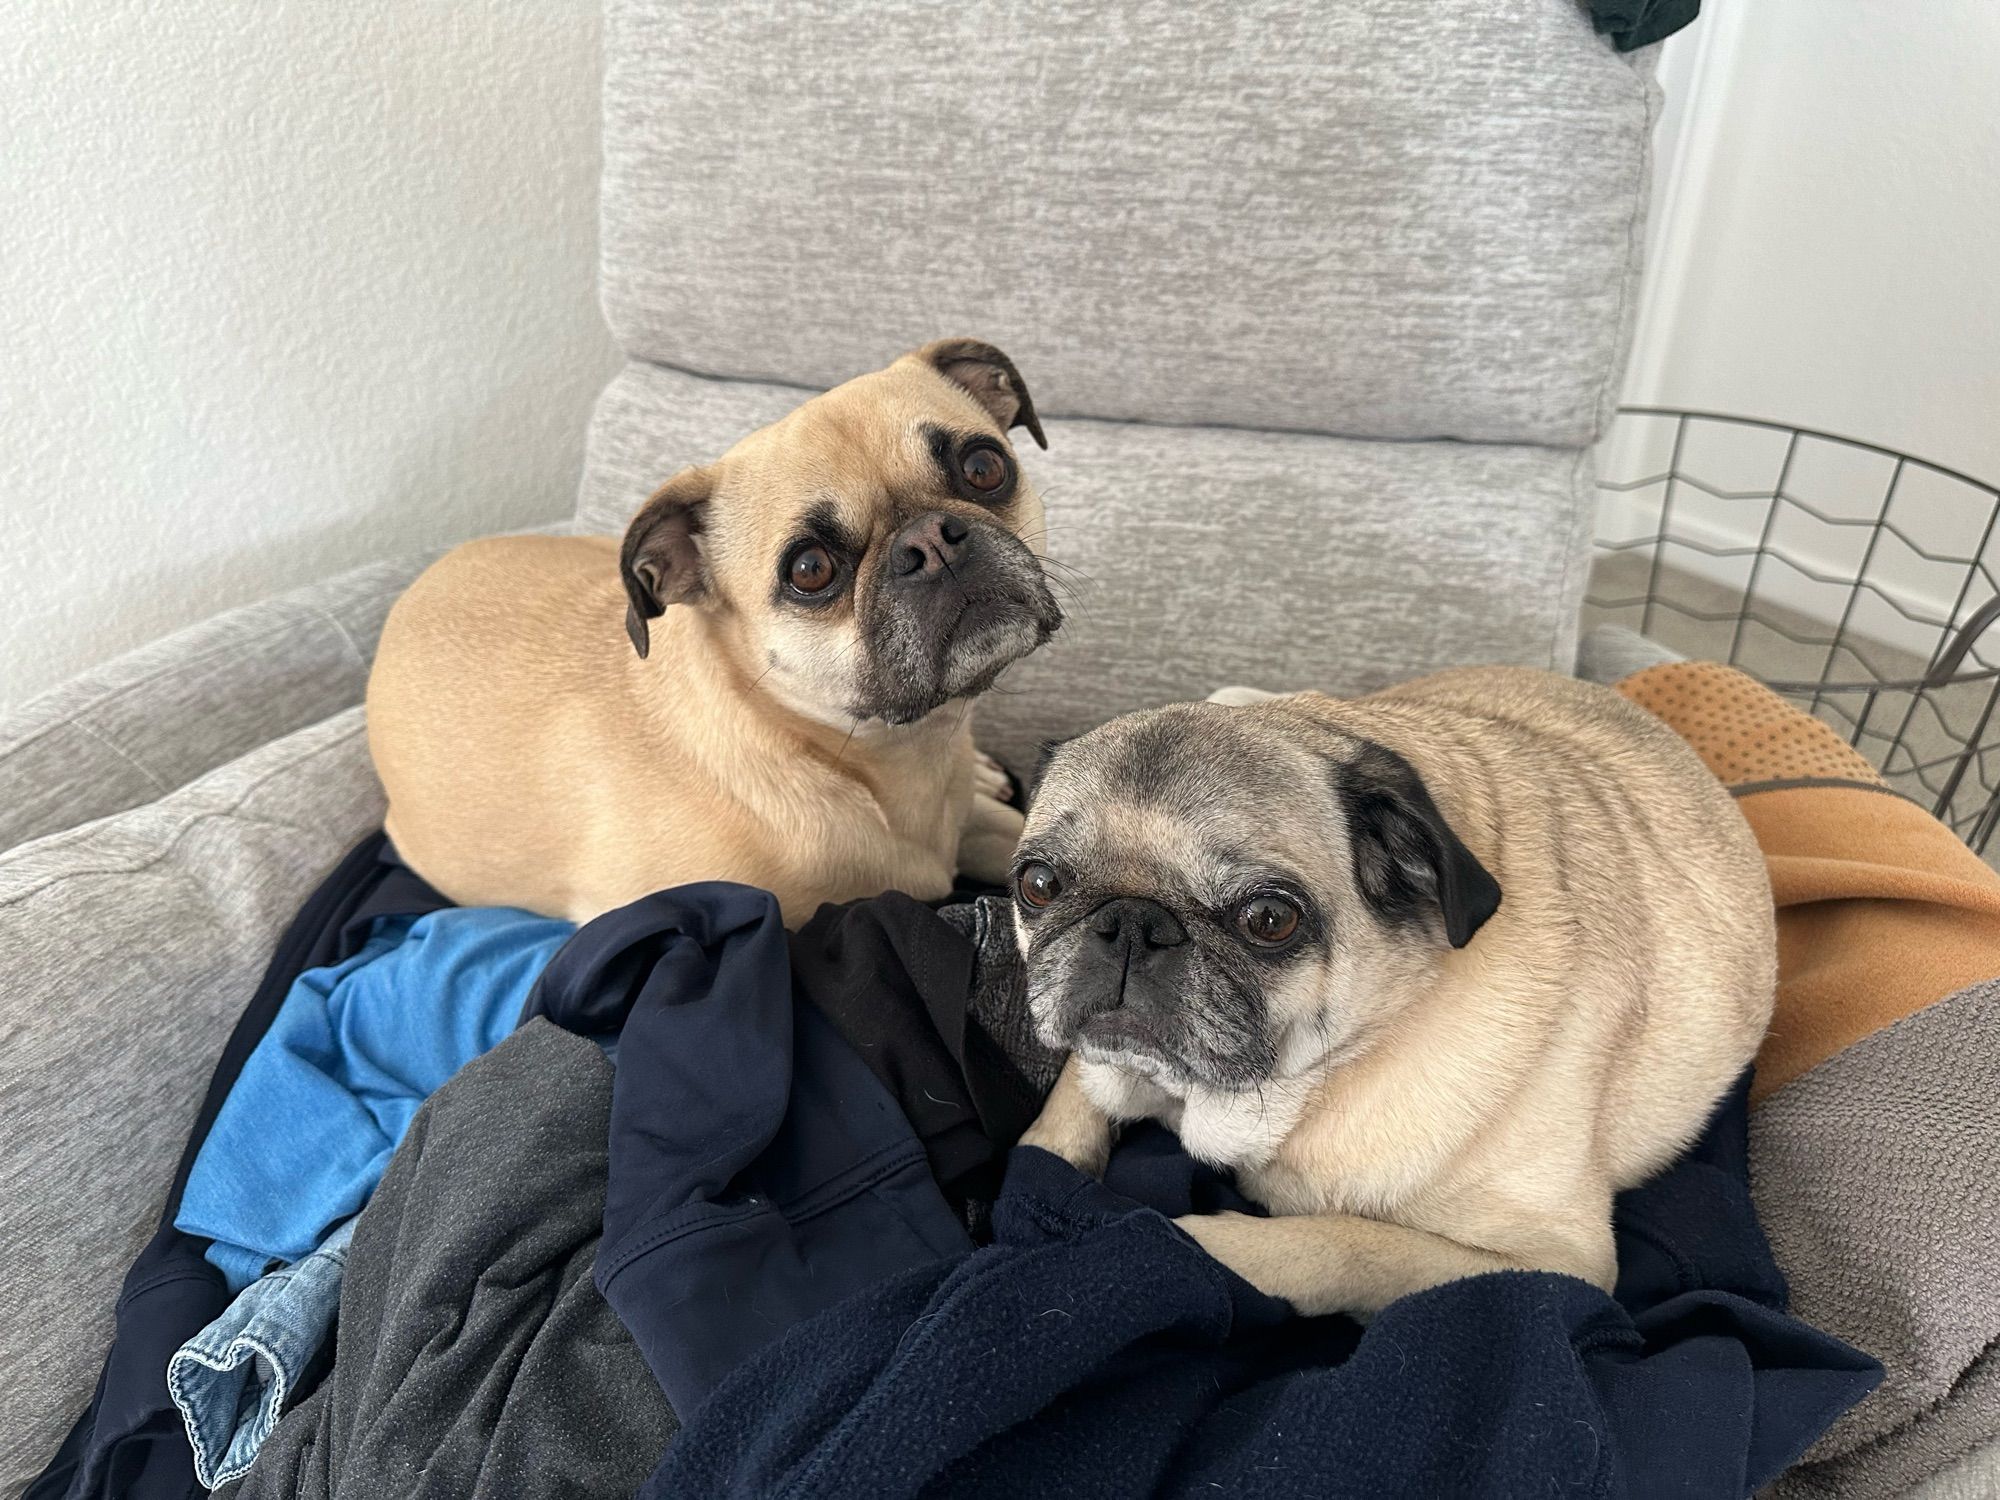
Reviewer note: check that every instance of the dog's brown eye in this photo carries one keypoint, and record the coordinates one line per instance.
(1267, 920)
(810, 570)
(1038, 884)
(984, 469)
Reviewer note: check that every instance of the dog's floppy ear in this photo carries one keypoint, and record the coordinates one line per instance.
(661, 559)
(1407, 860)
(991, 379)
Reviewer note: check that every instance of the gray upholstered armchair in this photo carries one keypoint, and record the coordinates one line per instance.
(1323, 307)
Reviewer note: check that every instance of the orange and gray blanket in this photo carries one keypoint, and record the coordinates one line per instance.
(1875, 1149)
(1881, 909)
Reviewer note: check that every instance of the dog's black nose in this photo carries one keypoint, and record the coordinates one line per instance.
(1130, 919)
(930, 545)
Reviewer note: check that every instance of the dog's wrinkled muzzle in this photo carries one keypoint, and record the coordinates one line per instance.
(1132, 988)
(956, 605)
(1128, 982)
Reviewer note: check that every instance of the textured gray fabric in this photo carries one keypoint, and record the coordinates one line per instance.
(1973, 1477)
(1611, 653)
(128, 948)
(651, 423)
(157, 718)
(1190, 556)
(1374, 219)
(1875, 1177)
(476, 1359)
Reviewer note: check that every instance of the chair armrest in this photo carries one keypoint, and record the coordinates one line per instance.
(151, 721)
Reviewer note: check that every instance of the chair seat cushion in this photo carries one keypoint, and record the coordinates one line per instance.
(128, 947)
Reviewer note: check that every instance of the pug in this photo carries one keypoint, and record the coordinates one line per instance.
(1437, 971)
(766, 681)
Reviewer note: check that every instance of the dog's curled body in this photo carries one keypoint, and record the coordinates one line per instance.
(1447, 1091)
(770, 799)
(768, 680)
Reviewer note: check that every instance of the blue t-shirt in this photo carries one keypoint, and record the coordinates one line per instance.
(356, 1048)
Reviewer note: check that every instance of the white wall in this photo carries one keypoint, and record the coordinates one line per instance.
(283, 288)
(1825, 249)
(1828, 252)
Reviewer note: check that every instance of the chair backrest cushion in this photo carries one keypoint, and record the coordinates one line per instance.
(1322, 305)
(1370, 219)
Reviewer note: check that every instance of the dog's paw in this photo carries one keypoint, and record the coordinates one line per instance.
(986, 843)
(989, 778)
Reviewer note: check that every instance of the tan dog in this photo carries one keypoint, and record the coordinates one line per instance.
(1280, 928)
(768, 682)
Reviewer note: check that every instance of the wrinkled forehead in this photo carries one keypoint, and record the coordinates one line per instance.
(1195, 792)
(860, 450)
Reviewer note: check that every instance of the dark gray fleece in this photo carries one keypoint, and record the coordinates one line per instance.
(475, 1359)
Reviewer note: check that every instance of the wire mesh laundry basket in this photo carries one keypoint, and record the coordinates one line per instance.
(1856, 581)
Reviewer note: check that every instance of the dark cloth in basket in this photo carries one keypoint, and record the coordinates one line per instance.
(1640, 23)
(759, 1173)
(897, 981)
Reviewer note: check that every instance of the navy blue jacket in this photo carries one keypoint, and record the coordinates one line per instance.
(1094, 1350)
(759, 1172)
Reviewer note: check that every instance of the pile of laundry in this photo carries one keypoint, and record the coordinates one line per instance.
(680, 1203)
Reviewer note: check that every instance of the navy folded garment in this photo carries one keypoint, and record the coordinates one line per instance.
(1094, 1350)
(130, 1442)
(897, 980)
(759, 1172)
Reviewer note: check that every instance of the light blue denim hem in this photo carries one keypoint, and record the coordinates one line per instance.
(232, 1379)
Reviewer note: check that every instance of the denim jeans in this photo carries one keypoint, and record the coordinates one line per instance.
(231, 1379)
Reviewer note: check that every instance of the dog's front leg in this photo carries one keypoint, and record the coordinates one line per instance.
(1328, 1263)
(992, 825)
(1071, 1125)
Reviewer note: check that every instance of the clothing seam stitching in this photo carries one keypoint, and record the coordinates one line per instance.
(160, 788)
(182, 665)
(1809, 783)
(280, 1385)
(154, 1283)
(1569, 560)
(1628, 278)
(347, 636)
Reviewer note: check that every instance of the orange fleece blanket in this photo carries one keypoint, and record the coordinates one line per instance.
(1881, 909)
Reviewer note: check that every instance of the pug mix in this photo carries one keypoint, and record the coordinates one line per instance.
(1436, 971)
(767, 681)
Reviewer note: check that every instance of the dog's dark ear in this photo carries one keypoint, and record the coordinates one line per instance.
(1407, 860)
(991, 379)
(661, 559)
